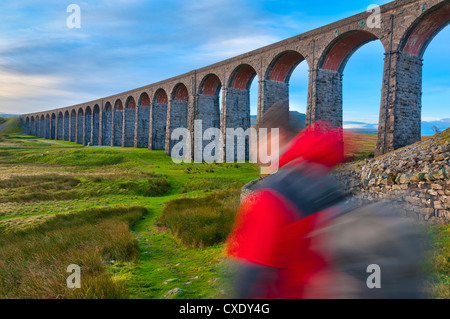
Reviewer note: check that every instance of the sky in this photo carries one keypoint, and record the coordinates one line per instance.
(125, 44)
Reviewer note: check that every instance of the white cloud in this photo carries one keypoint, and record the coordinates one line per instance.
(219, 49)
(16, 85)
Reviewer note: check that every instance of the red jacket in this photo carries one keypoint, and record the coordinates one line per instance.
(274, 223)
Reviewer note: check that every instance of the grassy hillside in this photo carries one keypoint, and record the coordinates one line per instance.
(138, 224)
(10, 126)
(42, 182)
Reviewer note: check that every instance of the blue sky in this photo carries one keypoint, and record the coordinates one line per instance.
(125, 44)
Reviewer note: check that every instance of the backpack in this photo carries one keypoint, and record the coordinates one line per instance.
(373, 251)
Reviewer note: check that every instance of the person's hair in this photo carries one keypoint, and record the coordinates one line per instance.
(277, 116)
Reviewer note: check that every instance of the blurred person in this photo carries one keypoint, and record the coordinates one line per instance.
(295, 236)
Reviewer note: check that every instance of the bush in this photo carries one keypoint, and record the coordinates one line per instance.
(200, 222)
(153, 186)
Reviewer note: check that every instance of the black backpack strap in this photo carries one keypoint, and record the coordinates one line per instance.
(305, 188)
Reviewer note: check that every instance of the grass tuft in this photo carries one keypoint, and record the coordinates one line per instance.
(201, 222)
(33, 261)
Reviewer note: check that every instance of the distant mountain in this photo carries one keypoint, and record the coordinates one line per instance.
(8, 115)
(361, 127)
(428, 128)
(441, 125)
(297, 119)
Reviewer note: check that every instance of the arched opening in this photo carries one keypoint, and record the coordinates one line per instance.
(36, 126)
(73, 126)
(429, 39)
(47, 126)
(52, 134)
(143, 123)
(27, 125)
(42, 127)
(209, 111)
(118, 123)
(96, 125)
(178, 111)
(436, 85)
(130, 122)
(107, 124)
(277, 84)
(237, 110)
(80, 126)
(32, 126)
(362, 89)
(159, 120)
(87, 126)
(67, 126)
(60, 130)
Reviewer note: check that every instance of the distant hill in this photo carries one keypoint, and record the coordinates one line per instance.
(8, 115)
(428, 127)
(10, 126)
(297, 119)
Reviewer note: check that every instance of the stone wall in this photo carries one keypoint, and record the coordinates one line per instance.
(417, 175)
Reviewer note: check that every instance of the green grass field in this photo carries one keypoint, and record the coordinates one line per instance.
(138, 224)
(41, 181)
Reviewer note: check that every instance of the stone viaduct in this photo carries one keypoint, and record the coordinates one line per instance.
(146, 117)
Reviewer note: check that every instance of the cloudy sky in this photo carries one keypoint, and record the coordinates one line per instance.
(125, 44)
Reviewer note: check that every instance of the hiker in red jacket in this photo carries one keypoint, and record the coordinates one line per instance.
(270, 235)
(281, 238)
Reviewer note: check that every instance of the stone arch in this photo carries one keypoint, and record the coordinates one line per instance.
(66, 126)
(52, 134)
(118, 123)
(401, 117)
(42, 126)
(327, 79)
(130, 122)
(209, 110)
(80, 126)
(237, 109)
(424, 29)
(60, 127)
(96, 125)
(208, 103)
(87, 125)
(210, 85)
(107, 124)
(73, 126)
(339, 51)
(275, 86)
(27, 125)
(282, 66)
(47, 128)
(178, 112)
(143, 121)
(32, 126)
(159, 120)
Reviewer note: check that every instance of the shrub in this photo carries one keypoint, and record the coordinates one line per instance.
(200, 222)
